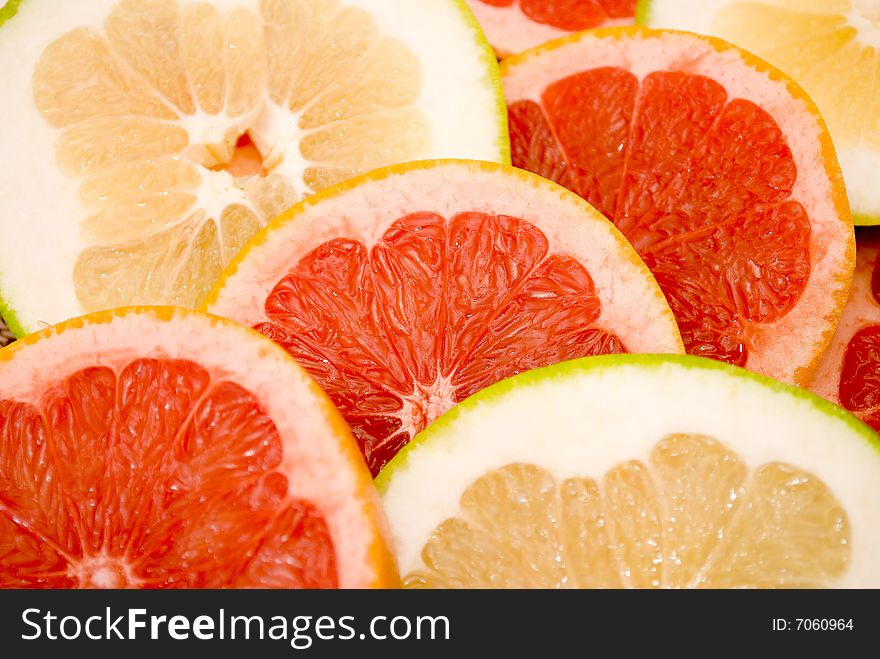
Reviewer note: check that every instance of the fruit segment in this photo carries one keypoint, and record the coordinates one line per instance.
(693, 515)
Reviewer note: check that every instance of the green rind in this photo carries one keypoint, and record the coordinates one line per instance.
(9, 10)
(487, 56)
(11, 319)
(604, 362)
(643, 9)
(865, 220)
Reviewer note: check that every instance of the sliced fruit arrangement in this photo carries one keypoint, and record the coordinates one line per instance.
(407, 290)
(145, 141)
(159, 448)
(515, 25)
(638, 471)
(831, 47)
(849, 373)
(718, 169)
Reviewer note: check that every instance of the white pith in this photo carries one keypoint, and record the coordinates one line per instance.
(425, 403)
(581, 423)
(859, 163)
(633, 307)
(865, 17)
(104, 571)
(831, 234)
(509, 30)
(322, 464)
(457, 97)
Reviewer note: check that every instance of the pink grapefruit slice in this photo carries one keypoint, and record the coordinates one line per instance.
(515, 25)
(407, 290)
(158, 448)
(719, 170)
(849, 373)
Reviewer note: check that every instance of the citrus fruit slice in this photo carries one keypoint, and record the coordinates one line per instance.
(159, 448)
(408, 290)
(514, 25)
(831, 47)
(721, 478)
(145, 141)
(849, 373)
(717, 168)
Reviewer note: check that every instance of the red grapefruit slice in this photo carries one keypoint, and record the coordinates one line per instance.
(157, 448)
(409, 289)
(849, 373)
(514, 25)
(718, 169)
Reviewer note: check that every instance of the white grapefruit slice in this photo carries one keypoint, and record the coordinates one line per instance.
(144, 141)
(638, 471)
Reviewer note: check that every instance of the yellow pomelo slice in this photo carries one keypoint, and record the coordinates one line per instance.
(637, 471)
(831, 47)
(145, 141)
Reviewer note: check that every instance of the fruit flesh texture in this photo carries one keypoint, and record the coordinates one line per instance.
(155, 476)
(150, 109)
(831, 47)
(693, 515)
(859, 380)
(570, 15)
(438, 309)
(700, 184)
